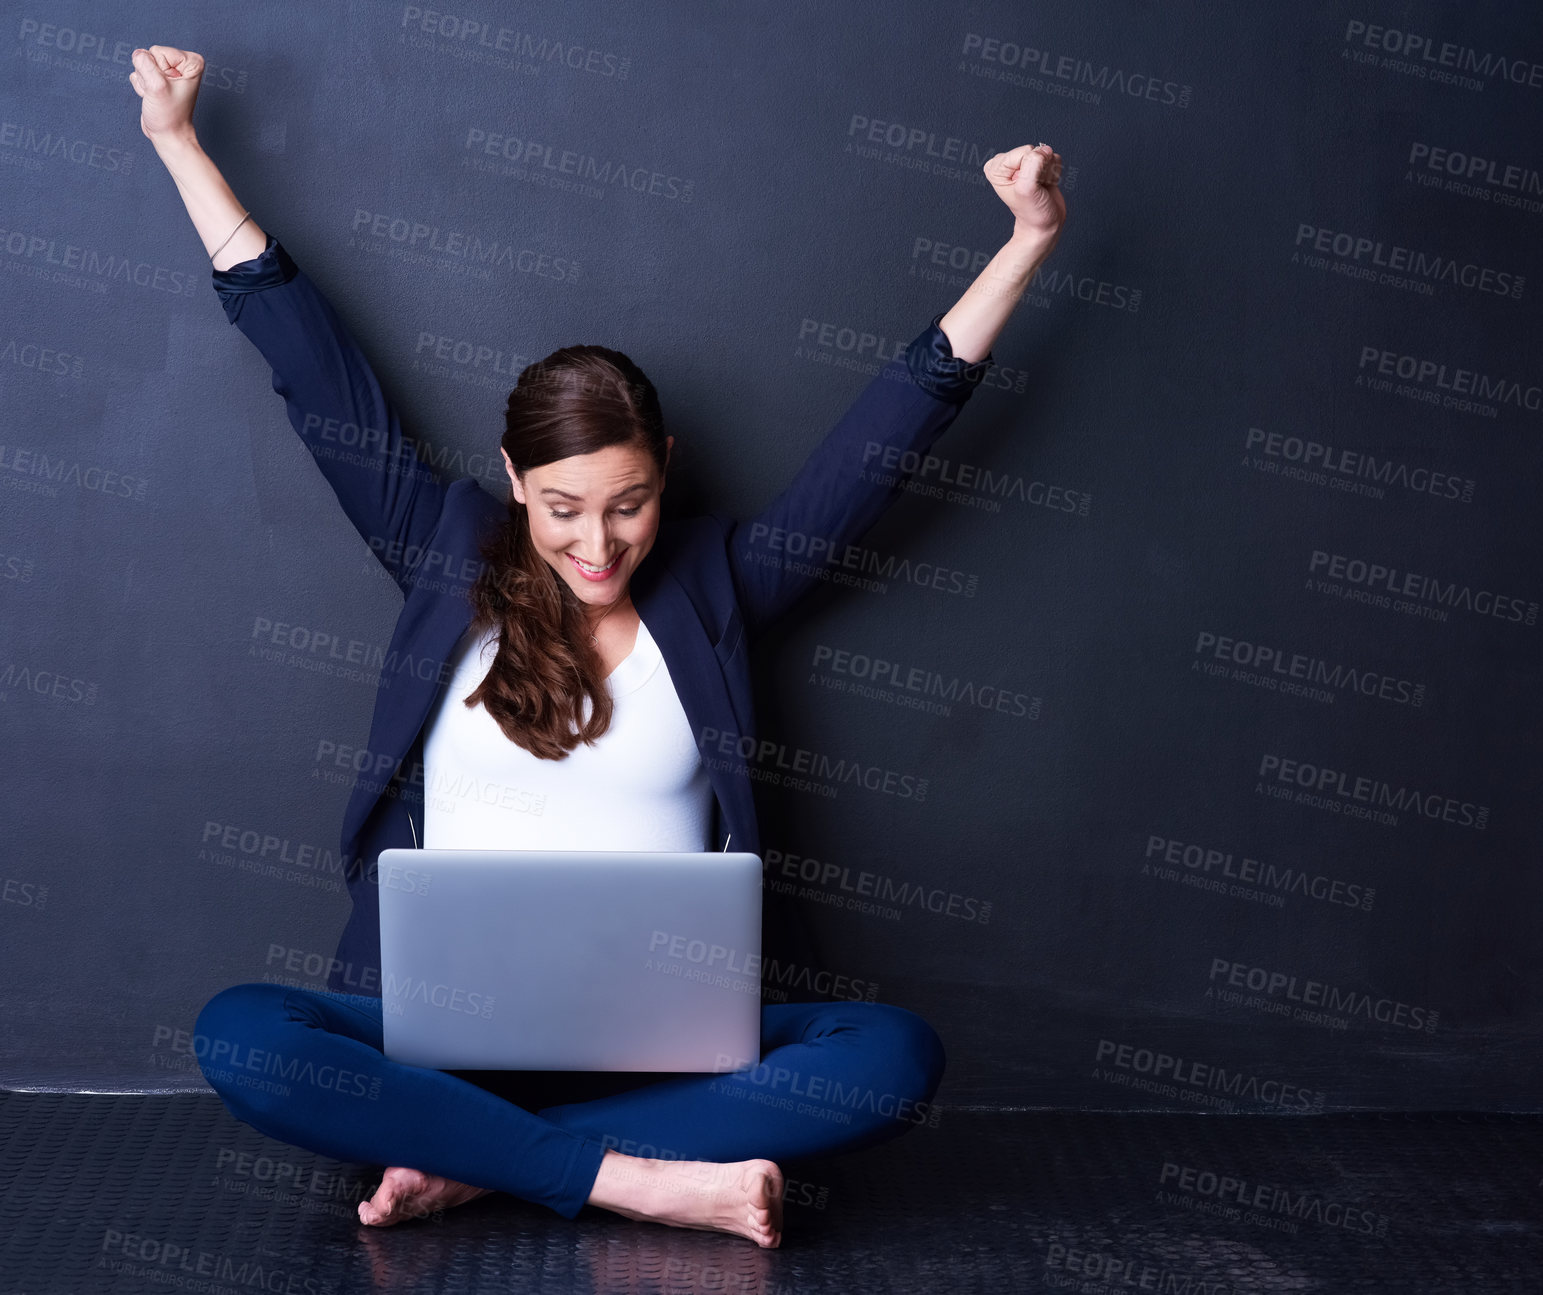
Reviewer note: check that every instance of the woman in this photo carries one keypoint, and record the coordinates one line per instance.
(564, 639)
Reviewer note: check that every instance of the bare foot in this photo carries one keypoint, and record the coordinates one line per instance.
(411, 1194)
(743, 1197)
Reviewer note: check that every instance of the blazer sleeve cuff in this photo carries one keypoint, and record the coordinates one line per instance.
(269, 267)
(937, 370)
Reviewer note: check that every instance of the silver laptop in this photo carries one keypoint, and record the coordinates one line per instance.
(570, 959)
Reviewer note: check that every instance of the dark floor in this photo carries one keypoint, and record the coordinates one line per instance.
(170, 1193)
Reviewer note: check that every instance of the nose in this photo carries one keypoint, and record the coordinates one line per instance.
(597, 540)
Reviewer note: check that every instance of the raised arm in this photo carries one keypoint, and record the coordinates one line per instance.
(862, 465)
(334, 400)
(1028, 180)
(166, 80)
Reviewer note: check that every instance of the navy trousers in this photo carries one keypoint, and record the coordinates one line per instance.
(306, 1067)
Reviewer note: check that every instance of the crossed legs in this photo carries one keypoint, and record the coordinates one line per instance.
(306, 1067)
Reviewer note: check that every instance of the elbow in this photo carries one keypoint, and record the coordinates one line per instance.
(937, 370)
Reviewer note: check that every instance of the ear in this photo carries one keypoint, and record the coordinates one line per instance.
(514, 481)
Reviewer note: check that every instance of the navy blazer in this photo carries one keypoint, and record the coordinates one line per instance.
(705, 590)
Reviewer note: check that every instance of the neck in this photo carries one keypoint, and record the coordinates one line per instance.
(593, 616)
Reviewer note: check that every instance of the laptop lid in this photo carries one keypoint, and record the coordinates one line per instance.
(570, 959)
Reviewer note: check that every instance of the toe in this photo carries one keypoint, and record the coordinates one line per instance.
(388, 1198)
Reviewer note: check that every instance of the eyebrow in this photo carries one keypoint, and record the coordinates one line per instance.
(579, 499)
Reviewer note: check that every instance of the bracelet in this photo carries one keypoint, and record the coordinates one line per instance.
(231, 235)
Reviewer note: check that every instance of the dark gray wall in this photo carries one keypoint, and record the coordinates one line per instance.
(1284, 358)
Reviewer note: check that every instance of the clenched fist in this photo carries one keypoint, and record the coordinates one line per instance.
(1027, 179)
(166, 80)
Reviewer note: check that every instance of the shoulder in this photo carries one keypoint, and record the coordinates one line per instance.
(695, 552)
(692, 545)
(454, 549)
(470, 505)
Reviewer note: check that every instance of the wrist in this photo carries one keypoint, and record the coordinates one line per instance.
(171, 145)
(1033, 242)
(1015, 265)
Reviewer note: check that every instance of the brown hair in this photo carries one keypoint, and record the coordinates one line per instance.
(578, 400)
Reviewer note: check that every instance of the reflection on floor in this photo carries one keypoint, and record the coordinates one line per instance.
(164, 1193)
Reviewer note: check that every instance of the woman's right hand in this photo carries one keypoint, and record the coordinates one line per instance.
(1028, 180)
(166, 80)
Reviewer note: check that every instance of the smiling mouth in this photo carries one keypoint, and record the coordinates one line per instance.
(594, 570)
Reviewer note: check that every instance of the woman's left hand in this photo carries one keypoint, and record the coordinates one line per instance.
(1027, 179)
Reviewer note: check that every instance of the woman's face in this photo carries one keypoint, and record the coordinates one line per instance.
(600, 509)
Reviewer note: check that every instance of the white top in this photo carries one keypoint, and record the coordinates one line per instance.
(642, 786)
